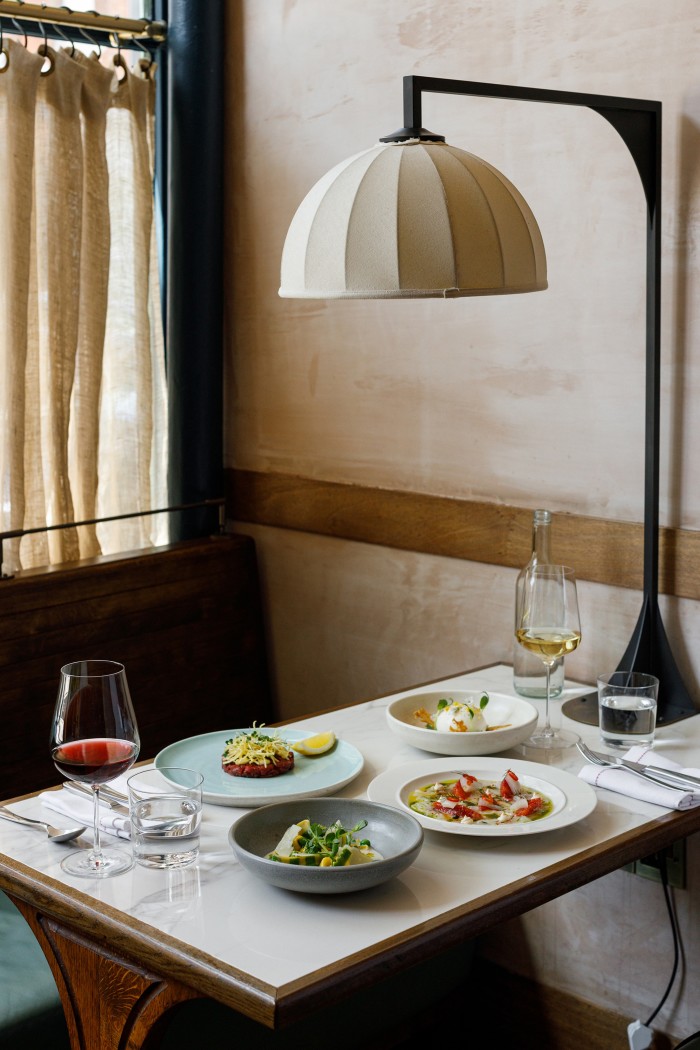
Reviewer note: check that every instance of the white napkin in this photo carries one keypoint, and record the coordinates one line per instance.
(81, 809)
(626, 783)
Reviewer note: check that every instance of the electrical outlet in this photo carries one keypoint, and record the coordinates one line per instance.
(650, 867)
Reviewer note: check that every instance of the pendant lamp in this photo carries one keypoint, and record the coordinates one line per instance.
(413, 218)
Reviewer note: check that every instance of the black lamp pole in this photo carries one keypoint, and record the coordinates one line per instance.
(638, 122)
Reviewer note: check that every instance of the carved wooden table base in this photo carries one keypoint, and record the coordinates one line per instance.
(109, 1003)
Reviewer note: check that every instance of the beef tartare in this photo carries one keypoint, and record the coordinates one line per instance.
(252, 753)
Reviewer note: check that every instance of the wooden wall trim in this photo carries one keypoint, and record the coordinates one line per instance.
(602, 551)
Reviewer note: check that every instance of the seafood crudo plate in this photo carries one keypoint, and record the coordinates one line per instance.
(485, 796)
(467, 799)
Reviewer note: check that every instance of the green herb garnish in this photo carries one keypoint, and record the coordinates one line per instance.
(334, 846)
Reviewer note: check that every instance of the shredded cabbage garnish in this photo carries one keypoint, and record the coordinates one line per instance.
(255, 748)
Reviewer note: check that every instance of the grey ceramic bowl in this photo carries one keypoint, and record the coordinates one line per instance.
(397, 836)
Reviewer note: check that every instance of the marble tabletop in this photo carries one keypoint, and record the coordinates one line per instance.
(219, 912)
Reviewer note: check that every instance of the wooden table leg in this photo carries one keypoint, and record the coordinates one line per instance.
(109, 1003)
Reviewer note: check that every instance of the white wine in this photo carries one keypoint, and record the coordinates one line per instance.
(528, 669)
(548, 626)
(547, 643)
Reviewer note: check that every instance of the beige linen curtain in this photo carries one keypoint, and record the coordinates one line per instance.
(83, 411)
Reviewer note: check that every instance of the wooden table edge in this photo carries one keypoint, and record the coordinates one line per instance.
(278, 1007)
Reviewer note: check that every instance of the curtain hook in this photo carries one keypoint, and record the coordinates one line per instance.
(45, 52)
(146, 67)
(67, 40)
(20, 30)
(91, 40)
(119, 61)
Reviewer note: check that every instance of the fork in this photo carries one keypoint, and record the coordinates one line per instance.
(667, 779)
(596, 757)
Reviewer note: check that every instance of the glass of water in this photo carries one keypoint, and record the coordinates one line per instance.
(627, 708)
(165, 809)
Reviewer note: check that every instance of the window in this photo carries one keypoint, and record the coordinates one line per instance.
(190, 263)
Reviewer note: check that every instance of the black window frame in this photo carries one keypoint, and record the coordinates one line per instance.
(189, 198)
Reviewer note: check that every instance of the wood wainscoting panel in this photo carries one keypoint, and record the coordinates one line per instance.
(608, 552)
(185, 620)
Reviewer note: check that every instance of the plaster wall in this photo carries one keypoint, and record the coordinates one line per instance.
(534, 400)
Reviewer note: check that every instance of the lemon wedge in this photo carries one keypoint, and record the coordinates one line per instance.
(317, 744)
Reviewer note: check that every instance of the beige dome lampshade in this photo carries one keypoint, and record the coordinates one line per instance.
(412, 219)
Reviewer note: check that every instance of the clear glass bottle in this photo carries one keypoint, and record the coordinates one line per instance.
(528, 669)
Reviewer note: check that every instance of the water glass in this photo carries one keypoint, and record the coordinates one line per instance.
(165, 808)
(627, 708)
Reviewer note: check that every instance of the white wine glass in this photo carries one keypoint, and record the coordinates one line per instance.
(548, 624)
(94, 738)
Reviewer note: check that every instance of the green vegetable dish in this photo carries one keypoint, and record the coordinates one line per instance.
(314, 845)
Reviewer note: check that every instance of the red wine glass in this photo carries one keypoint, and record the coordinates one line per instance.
(94, 738)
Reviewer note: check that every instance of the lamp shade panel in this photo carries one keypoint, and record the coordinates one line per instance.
(410, 220)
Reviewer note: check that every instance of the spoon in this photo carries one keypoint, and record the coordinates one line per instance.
(55, 834)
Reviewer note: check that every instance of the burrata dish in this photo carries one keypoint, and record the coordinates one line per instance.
(456, 716)
(453, 721)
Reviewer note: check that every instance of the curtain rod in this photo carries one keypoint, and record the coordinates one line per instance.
(124, 28)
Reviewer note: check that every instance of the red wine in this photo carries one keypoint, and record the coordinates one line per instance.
(95, 761)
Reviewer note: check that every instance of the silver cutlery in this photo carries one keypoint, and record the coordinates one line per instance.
(116, 802)
(666, 777)
(670, 776)
(110, 797)
(55, 834)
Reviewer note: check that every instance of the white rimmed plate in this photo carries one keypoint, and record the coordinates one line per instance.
(573, 799)
(310, 777)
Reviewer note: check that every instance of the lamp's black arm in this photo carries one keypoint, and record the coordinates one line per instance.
(638, 122)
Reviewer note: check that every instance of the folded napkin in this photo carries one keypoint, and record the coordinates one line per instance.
(626, 783)
(81, 809)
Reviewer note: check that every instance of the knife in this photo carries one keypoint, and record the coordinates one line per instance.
(112, 803)
(108, 796)
(664, 776)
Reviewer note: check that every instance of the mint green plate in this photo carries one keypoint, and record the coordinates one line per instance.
(320, 775)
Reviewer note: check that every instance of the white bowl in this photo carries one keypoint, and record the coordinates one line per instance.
(517, 717)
